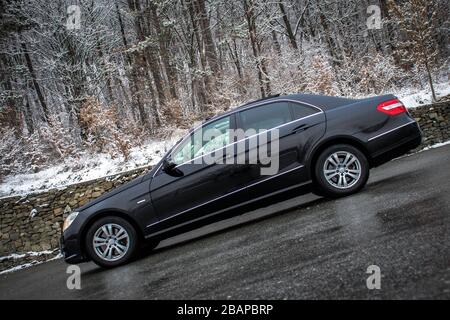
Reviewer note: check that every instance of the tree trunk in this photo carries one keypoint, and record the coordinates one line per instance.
(207, 38)
(162, 38)
(329, 40)
(264, 83)
(430, 80)
(287, 24)
(147, 60)
(235, 56)
(276, 44)
(27, 115)
(203, 95)
(35, 83)
(129, 69)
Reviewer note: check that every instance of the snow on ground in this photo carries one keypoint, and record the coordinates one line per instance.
(86, 168)
(29, 264)
(15, 256)
(19, 256)
(423, 97)
(437, 145)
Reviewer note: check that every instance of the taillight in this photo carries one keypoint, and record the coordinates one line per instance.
(392, 107)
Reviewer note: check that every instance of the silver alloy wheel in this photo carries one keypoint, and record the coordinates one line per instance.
(342, 169)
(111, 242)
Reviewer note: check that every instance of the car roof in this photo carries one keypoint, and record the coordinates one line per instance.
(320, 101)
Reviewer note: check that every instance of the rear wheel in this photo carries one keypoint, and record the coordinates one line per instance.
(341, 170)
(111, 241)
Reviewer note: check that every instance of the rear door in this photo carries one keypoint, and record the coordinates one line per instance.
(299, 126)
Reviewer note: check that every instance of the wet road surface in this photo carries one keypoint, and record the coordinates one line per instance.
(304, 248)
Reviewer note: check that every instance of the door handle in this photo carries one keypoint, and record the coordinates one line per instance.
(300, 128)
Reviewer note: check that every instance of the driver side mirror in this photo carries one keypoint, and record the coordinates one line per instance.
(170, 168)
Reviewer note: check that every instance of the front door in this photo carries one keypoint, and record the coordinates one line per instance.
(204, 188)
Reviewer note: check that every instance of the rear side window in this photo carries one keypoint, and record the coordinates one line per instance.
(267, 116)
(301, 111)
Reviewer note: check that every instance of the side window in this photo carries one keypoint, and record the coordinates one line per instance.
(203, 140)
(184, 151)
(301, 111)
(267, 116)
(217, 137)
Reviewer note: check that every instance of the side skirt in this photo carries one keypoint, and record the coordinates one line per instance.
(199, 219)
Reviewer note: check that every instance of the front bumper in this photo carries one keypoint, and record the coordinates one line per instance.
(71, 250)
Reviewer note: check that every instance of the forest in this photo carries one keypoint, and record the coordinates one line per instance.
(84, 77)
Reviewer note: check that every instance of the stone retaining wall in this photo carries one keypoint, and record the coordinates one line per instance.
(21, 233)
(434, 121)
(33, 223)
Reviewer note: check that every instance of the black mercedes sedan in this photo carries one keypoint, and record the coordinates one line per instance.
(261, 149)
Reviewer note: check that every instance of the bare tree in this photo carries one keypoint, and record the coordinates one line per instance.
(415, 19)
(156, 65)
(263, 78)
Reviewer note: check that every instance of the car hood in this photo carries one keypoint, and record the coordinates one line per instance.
(112, 193)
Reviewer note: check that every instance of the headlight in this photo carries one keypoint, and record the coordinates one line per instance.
(70, 218)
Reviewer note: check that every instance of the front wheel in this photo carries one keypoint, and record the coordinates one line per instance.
(111, 241)
(341, 170)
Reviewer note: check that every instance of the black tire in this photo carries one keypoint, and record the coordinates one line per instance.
(131, 242)
(335, 187)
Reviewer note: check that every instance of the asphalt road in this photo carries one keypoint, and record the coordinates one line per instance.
(306, 247)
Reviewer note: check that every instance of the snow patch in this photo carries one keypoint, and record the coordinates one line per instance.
(17, 268)
(87, 168)
(437, 145)
(423, 97)
(33, 213)
(15, 256)
(29, 264)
